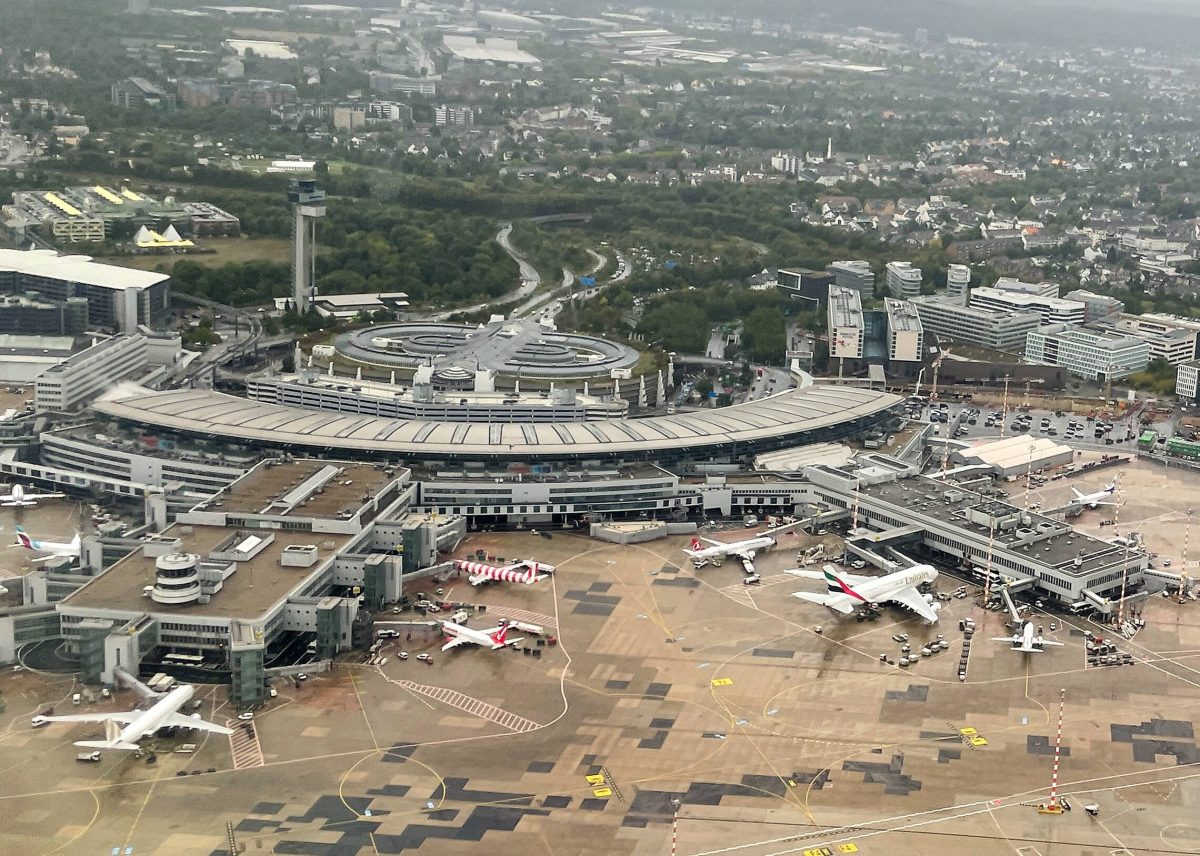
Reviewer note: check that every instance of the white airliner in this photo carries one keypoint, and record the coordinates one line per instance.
(717, 551)
(526, 571)
(847, 591)
(53, 549)
(492, 638)
(1028, 640)
(139, 723)
(1092, 500)
(18, 498)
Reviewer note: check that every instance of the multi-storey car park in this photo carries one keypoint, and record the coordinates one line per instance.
(512, 351)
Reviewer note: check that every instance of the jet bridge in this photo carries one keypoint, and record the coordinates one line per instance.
(868, 546)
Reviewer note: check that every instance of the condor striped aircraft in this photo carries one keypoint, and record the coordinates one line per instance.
(848, 591)
(527, 572)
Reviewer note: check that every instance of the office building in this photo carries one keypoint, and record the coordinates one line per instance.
(802, 283)
(382, 81)
(453, 115)
(950, 321)
(1187, 380)
(958, 281)
(118, 298)
(255, 94)
(1172, 345)
(905, 335)
(1034, 289)
(1096, 307)
(29, 315)
(846, 333)
(853, 274)
(349, 118)
(1051, 310)
(139, 92)
(77, 381)
(902, 279)
(1152, 325)
(1089, 354)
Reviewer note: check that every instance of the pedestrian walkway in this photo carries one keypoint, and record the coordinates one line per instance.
(475, 707)
(244, 745)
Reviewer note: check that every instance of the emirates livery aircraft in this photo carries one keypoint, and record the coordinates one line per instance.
(847, 591)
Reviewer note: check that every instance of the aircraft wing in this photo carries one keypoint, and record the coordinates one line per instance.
(456, 641)
(183, 721)
(807, 574)
(1050, 642)
(1012, 640)
(124, 717)
(912, 598)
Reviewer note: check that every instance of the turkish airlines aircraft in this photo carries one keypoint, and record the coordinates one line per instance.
(1091, 500)
(54, 549)
(492, 638)
(139, 723)
(527, 572)
(716, 552)
(1028, 640)
(18, 498)
(847, 591)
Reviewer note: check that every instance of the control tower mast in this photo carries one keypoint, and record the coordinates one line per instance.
(308, 206)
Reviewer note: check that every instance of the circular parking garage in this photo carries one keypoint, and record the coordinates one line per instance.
(510, 350)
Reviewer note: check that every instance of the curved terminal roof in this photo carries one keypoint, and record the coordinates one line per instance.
(764, 422)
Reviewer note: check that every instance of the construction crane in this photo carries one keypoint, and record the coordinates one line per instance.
(937, 367)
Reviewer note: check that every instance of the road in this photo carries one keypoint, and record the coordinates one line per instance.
(530, 280)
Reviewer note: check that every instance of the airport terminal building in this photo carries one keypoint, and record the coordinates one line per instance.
(274, 569)
(795, 417)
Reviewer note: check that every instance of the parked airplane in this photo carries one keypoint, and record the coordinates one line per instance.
(1092, 500)
(847, 591)
(54, 549)
(139, 723)
(18, 498)
(492, 638)
(526, 571)
(1028, 640)
(717, 551)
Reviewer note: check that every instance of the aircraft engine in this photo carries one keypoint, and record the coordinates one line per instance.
(751, 553)
(929, 598)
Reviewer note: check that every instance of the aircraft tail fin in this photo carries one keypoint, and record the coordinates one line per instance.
(1077, 493)
(104, 744)
(696, 545)
(112, 731)
(500, 635)
(835, 603)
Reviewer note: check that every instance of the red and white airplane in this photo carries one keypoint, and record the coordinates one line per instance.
(527, 572)
(492, 638)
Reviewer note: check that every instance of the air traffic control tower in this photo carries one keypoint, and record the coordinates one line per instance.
(308, 206)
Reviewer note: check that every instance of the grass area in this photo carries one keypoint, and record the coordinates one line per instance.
(228, 250)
